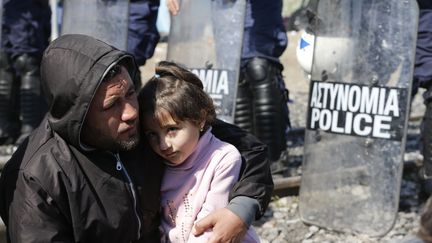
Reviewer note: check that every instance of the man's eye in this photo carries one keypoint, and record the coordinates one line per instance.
(109, 106)
(130, 93)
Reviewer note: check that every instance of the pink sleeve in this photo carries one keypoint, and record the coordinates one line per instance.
(225, 176)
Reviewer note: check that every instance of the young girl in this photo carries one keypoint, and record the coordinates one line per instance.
(176, 115)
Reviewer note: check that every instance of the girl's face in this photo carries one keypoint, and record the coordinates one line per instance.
(174, 141)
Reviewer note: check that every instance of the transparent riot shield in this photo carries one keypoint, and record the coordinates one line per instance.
(206, 36)
(54, 19)
(357, 114)
(106, 20)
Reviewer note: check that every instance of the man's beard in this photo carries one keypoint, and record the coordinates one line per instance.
(106, 142)
(129, 144)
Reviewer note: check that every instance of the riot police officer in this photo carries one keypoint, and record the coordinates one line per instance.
(262, 98)
(25, 34)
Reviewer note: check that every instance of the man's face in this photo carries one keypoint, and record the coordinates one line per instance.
(112, 119)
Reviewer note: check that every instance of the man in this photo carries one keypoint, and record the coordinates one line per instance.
(83, 176)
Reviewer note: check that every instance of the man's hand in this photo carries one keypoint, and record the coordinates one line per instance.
(227, 226)
(173, 6)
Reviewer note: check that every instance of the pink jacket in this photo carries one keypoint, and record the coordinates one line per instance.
(200, 185)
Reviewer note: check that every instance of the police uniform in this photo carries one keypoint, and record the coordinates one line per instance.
(423, 78)
(25, 34)
(262, 98)
(143, 35)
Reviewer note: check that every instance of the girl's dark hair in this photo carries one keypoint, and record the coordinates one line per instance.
(175, 90)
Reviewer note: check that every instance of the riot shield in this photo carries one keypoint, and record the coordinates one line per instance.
(54, 19)
(357, 114)
(207, 36)
(106, 20)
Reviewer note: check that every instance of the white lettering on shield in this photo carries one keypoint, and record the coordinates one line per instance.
(215, 81)
(353, 109)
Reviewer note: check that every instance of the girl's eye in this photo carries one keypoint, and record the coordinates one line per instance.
(172, 129)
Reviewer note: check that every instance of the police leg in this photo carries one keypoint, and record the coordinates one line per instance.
(269, 104)
(32, 105)
(426, 138)
(9, 123)
(243, 112)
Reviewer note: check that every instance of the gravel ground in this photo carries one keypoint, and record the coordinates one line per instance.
(282, 222)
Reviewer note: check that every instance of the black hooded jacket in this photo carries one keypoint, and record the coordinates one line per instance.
(53, 190)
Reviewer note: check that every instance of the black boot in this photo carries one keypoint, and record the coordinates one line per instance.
(9, 123)
(32, 104)
(269, 105)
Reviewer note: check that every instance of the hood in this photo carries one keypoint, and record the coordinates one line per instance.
(72, 68)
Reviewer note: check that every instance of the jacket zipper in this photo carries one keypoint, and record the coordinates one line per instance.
(120, 167)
